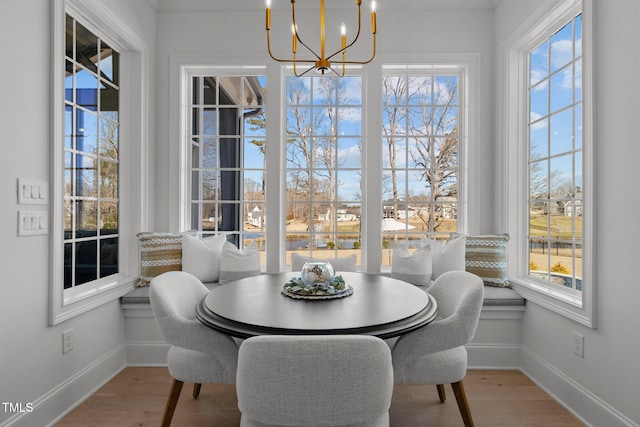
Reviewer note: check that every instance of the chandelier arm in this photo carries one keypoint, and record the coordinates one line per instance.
(373, 54)
(355, 38)
(302, 74)
(275, 58)
(295, 31)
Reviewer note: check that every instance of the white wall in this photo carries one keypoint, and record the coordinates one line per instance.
(232, 36)
(32, 366)
(605, 385)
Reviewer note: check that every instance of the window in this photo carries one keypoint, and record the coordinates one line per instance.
(548, 156)
(555, 157)
(311, 192)
(323, 166)
(91, 157)
(420, 143)
(98, 184)
(228, 146)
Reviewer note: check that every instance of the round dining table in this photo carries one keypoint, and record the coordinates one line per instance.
(379, 305)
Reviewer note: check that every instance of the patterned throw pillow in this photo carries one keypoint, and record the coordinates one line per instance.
(446, 256)
(347, 263)
(237, 264)
(415, 268)
(159, 253)
(201, 257)
(486, 256)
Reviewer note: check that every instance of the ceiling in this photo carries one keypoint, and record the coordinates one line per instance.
(205, 5)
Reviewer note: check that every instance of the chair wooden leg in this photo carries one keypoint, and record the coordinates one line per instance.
(463, 405)
(441, 394)
(196, 390)
(169, 409)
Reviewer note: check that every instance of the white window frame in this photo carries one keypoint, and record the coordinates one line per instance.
(352, 71)
(513, 153)
(467, 67)
(182, 68)
(461, 73)
(133, 166)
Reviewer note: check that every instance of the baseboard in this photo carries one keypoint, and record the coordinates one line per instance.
(54, 404)
(493, 356)
(591, 409)
(147, 353)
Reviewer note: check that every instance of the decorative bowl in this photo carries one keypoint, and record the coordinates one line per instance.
(316, 272)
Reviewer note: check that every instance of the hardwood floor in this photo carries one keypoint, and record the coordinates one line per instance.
(136, 397)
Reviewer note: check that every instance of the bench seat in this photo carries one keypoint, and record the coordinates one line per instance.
(492, 296)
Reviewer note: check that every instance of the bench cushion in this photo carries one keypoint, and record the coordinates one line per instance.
(493, 296)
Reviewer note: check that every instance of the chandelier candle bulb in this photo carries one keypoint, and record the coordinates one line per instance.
(373, 17)
(294, 42)
(268, 6)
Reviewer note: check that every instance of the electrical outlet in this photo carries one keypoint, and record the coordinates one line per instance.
(67, 341)
(578, 344)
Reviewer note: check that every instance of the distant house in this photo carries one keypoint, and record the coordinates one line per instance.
(344, 215)
(341, 215)
(573, 208)
(448, 207)
(255, 217)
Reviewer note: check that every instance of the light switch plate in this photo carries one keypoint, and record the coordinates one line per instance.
(32, 223)
(32, 192)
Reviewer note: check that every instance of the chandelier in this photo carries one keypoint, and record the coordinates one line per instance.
(321, 62)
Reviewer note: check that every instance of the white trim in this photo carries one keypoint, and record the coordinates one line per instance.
(76, 388)
(575, 305)
(134, 164)
(575, 397)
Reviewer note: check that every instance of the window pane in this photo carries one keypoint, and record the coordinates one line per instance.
(86, 89)
(539, 139)
(108, 179)
(254, 186)
(109, 101)
(561, 47)
(86, 52)
(109, 139)
(210, 91)
(349, 153)
(108, 257)
(228, 164)
(539, 64)
(86, 176)
(561, 89)
(86, 262)
(86, 131)
(538, 101)
(209, 153)
(561, 132)
(108, 218)
(254, 153)
(86, 218)
(420, 90)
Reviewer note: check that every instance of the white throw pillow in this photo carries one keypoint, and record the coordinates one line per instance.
(201, 257)
(347, 263)
(237, 264)
(415, 268)
(448, 256)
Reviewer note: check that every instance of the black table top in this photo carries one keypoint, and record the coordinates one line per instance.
(380, 306)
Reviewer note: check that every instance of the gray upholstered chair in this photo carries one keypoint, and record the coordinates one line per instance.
(435, 354)
(329, 380)
(197, 354)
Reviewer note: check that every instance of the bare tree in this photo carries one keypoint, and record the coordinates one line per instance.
(311, 143)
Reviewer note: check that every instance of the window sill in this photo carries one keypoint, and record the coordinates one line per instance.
(66, 308)
(567, 304)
